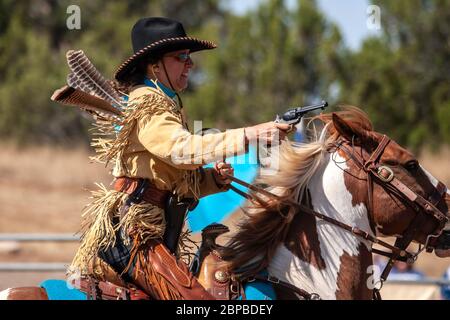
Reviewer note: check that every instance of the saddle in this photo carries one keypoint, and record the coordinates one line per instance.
(207, 267)
(207, 273)
(213, 275)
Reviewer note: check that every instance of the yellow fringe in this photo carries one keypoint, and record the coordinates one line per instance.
(112, 148)
(110, 145)
(97, 230)
(144, 221)
(187, 247)
(99, 233)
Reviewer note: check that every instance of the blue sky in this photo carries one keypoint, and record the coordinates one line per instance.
(349, 15)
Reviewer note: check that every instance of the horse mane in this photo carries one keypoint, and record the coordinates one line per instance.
(266, 223)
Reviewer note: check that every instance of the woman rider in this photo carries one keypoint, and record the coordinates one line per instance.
(158, 172)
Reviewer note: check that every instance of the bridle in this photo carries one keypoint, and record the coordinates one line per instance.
(383, 176)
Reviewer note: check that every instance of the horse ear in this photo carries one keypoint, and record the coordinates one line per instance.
(344, 128)
(353, 133)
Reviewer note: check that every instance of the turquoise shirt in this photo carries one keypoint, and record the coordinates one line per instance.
(157, 84)
(154, 84)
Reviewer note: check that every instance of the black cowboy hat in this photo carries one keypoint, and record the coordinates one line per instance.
(156, 36)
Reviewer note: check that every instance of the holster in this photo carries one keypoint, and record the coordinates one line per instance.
(175, 214)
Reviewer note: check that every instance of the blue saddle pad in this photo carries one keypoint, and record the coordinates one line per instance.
(259, 290)
(61, 290)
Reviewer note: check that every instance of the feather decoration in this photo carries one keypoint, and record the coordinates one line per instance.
(90, 103)
(86, 77)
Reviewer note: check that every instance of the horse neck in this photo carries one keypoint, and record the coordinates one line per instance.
(318, 256)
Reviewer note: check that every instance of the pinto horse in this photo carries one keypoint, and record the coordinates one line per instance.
(334, 176)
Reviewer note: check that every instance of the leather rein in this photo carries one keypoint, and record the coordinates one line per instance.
(383, 176)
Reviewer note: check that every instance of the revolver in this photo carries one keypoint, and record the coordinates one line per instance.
(293, 116)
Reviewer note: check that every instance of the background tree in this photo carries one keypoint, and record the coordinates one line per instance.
(33, 42)
(268, 59)
(401, 77)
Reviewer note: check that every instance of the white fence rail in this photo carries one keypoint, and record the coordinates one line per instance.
(35, 266)
(39, 237)
(424, 281)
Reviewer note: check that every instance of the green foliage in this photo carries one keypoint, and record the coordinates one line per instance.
(30, 73)
(33, 42)
(268, 59)
(401, 78)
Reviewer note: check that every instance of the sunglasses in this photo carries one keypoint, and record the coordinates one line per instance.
(182, 57)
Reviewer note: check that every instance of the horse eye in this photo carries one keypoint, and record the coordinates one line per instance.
(412, 165)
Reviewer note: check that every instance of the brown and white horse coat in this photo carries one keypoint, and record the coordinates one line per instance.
(315, 255)
(320, 257)
(308, 252)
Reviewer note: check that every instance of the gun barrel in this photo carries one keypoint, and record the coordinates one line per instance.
(294, 115)
(322, 105)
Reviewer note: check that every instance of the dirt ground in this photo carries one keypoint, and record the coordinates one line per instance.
(43, 190)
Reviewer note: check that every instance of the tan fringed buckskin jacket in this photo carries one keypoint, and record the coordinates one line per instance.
(155, 143)
(161, 148)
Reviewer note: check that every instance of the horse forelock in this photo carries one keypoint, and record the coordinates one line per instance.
(354, 117)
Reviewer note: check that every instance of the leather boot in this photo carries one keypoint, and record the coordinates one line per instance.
(163, 277)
